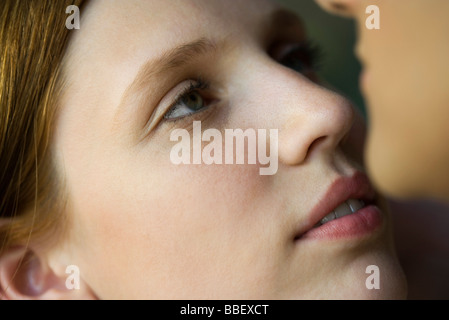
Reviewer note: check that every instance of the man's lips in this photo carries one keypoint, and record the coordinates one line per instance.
(344, 190)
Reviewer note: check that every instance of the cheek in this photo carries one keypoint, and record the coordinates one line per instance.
(152, 217)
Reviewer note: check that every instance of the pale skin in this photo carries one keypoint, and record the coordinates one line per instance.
(406, 89)
(141, 227)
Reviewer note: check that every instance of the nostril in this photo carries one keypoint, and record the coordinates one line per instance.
(314, 145)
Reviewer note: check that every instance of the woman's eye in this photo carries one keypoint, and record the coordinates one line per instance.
(187, 104)
(303, 58)
(296, 60)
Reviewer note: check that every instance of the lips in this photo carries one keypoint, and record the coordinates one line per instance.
(347, 209)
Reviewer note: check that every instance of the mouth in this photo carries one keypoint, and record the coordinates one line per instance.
(348, 209)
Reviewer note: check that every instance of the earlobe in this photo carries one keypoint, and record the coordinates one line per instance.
(25, 276)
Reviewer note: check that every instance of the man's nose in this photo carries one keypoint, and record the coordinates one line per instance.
(346, 8)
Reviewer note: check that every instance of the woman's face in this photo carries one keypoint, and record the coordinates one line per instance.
(405, 82)
(144, 227)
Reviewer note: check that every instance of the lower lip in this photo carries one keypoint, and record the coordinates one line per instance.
(362, 223)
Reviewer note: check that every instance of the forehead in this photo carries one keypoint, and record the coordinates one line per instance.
(123, 26)
(117, 36)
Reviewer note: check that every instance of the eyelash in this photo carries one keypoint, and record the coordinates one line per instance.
(197, 85)
(308, 51)
(311, 54)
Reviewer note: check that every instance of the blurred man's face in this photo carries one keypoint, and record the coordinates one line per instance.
(405, 82)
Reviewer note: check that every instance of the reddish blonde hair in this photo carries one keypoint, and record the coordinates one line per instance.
(33, 38)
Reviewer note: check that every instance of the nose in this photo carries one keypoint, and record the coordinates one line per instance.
(345, 8)
(316, 123)
(312, 120)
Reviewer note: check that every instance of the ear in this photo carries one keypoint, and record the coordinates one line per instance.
(26, 276)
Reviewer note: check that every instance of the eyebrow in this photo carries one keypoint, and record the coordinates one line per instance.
(170, 60)
(183, 54)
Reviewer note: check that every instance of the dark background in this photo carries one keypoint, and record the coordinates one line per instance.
(336, 37)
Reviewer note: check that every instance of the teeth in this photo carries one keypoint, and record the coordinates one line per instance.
(328, 218)
(355, 204)
(343, 210)
(346, 208)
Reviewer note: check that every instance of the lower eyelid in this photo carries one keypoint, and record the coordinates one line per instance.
(186, 122)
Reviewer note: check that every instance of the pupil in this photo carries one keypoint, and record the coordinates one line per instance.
(194, 101)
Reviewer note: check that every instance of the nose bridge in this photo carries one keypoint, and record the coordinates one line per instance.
(306, 114)
(308, 117)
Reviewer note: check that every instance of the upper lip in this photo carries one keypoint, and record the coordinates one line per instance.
(357, 186)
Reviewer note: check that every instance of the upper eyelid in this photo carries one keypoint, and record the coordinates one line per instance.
(160, 115)
(174, 61)
(277, 50)
(200, 85)
(144, 94)
(205, 85)
(289, 48)
(309, 48)
(181, 95)
(159, 112)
